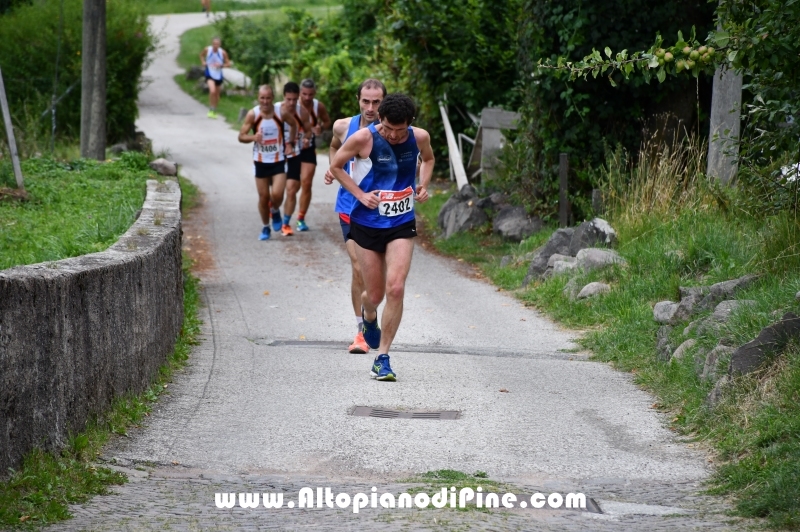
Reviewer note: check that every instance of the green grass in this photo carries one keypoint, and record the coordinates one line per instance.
(435, 481)
(162, 7)
(755, 431)
(41, 490)
(73, 208)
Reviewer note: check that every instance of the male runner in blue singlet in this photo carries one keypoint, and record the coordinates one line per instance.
(382, 220)
(370, 95)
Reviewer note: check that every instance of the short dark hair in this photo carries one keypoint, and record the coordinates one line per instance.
(292, 88)
(308, 83)
(397, 109)
(371, 84)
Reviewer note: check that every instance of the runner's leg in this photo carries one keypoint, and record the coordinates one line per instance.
(398, 262)
(213, 94)
(357, 283)
(262, 185)
(292, 186)
(306, 178)
(278, 189)
(373, 273)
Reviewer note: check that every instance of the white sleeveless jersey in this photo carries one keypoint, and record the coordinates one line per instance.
(270, 150)
(212, 58)
(287, 131)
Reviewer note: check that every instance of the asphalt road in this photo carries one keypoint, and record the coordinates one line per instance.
(270, 389)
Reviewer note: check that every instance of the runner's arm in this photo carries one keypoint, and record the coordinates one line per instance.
(226, 60)
(289, 119)
(426, 166)
(245, 137)
(203, 55)
(339, 131)
(324, 118)
(358, 145)
(305, 120)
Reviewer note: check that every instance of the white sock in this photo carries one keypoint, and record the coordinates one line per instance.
(360, 322)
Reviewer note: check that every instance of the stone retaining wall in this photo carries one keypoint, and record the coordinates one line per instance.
(78, 332)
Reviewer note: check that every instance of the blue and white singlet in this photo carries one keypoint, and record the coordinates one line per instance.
(214, 57)
(344, 200)
(391, 168)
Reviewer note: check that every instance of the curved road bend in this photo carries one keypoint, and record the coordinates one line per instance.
(258, 410)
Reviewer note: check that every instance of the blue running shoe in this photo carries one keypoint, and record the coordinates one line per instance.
(264, 233)
(301, 225)
(381, 369)
(372, 333)
(277, 223)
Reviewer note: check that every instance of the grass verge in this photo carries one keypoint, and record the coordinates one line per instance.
(163, 7)
(41, 490)
(679, 230)
(73, 208)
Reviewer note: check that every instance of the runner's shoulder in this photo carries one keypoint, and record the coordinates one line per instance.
(420, 134)
(340, 128)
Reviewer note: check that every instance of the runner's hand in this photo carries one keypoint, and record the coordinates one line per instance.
(259, 136)
(329, 177)
(421, 195)
(307, 143)
(370, 199)
(317, 130)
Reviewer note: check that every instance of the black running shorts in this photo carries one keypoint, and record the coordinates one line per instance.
(217, 82)
(293, 168)
(269, 169)
(376, 239)
(308, 155)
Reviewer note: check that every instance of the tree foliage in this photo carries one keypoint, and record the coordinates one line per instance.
(582, 117)
(28, 47)
(260, 45)
(760, 39)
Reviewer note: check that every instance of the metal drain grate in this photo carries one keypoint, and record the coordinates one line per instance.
(384, 413)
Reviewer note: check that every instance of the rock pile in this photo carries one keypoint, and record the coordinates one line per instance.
(464, 210)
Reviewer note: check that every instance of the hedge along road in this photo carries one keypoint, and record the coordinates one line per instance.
(256, 407)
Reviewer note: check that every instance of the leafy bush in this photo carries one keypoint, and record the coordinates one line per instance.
(28, 49)
(260, 45)
(579, 117)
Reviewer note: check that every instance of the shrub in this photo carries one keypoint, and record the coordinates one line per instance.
(260, 45)
(28, 48)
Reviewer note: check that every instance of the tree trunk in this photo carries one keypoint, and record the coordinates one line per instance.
(93, 80)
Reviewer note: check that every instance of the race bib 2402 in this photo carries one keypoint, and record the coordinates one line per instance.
(395, 203)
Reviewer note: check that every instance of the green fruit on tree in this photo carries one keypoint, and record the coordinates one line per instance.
(705, 58)
(689, 64)
(687, 50)
(710, 51)
(660, 53)
(660, 62)
(694, 55)
(680, 65)
(702, 50)
(668, 57)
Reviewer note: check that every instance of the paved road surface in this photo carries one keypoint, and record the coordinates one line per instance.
(259, 409)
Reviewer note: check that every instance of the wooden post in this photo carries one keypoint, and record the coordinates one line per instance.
(93, 80)
(563, 206)
(12, 143)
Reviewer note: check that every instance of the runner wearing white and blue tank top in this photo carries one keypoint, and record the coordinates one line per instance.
(214, 59)
(264, 128)
(370, 94)
(382, 219)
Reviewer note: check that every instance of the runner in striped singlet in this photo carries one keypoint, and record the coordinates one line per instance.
(290, 104)
(320, 121)
(264, 129)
